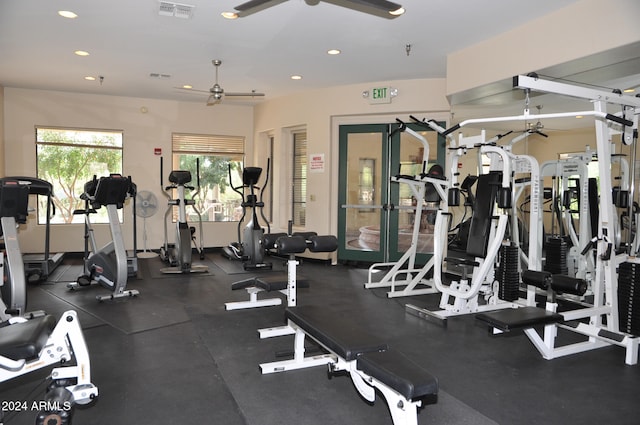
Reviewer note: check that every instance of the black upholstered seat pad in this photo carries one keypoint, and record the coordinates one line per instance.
(394, 369)
(336, 332)
(24, 341)
(271, 283)
(519, 318)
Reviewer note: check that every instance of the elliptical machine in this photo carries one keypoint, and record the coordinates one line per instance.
(109, 265)
(178, 254)
(250, 248)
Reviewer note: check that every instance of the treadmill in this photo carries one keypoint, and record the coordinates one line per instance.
(38, 267)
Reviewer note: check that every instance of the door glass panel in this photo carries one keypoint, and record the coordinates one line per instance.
(363, 192)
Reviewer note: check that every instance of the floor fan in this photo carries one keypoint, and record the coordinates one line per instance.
(146, 206)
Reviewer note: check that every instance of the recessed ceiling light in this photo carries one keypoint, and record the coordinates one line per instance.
(579, 116)
(333, 52)
(630, 90)
(187, 86)
(229, 15)
(397, 12)
(67, 14)
(296, 77)
(90, 78)
(81, 53)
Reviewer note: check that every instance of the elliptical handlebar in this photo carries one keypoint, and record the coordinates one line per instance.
(261, 203)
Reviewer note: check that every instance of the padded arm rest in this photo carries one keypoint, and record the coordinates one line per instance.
(327, 243)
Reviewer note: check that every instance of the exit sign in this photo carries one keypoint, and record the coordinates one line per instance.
(380, 95)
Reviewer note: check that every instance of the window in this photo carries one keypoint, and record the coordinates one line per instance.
(217, 201)
(68, 158)
(299, 179)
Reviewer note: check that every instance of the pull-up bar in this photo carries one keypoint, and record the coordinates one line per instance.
(527, 116)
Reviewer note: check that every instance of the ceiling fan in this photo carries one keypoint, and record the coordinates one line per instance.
(383, 8)
(217, 93)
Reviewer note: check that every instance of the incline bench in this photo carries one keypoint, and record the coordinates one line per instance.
(370, 362)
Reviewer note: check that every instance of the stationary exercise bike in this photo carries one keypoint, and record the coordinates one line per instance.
(14, 200)
(178, 254)
(107, 266)
(250, 248)
(30, 342)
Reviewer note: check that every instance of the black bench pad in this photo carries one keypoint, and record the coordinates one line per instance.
(395, 370)
(519, 318)
(268, 284)
(335, 332)
(25, 340)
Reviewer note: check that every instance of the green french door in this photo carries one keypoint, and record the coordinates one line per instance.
(375, 216)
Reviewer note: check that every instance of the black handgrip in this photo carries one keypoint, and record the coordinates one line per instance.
(198, 171)
(451, 130)
(161, 181)
(588, 247)
(619, 120)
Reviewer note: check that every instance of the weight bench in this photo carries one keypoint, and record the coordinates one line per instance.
(370, 362)
(283, 244)
(30, 345)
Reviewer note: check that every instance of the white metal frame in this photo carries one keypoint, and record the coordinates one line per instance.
(462, 296)
(599, 332)
(405, 266)
(290, 292)
(65, 343)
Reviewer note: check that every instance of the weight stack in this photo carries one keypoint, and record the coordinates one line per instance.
(507, 273)
(629, 298)
(556, 261)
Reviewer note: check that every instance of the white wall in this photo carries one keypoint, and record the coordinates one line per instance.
(24, 109)
(577, 31)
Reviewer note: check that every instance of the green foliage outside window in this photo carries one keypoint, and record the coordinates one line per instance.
(216, 200)
(68, 159)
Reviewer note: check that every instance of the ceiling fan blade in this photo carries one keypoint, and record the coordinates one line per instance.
(186, 90)
(253, 6)
(385, 5)
(381, 8)
(246, 94)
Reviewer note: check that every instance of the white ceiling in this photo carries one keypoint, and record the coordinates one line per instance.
(128, 40)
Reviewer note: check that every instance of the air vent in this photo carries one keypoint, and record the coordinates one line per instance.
(158, 75)
(184, 11)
